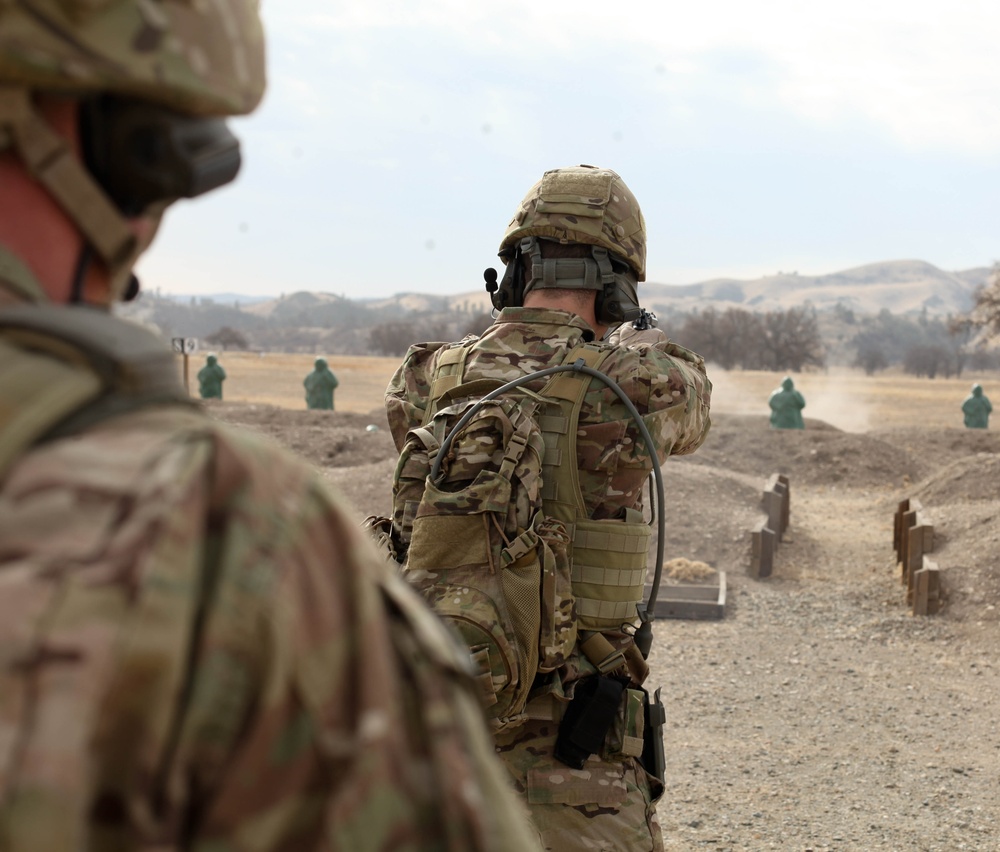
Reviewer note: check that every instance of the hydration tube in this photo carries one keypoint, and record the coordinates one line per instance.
(644, 634)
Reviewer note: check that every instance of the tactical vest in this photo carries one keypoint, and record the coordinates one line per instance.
(608, 557)
(63, 369)
(490, 525)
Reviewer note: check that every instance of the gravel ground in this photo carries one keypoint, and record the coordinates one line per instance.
(819, 714)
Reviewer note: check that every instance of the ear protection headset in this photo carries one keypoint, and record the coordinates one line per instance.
(611, 278)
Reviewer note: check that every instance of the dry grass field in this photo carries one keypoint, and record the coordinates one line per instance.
(275, 378)
(847, 399)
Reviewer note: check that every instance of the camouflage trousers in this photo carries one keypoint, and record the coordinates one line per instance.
(607, 806)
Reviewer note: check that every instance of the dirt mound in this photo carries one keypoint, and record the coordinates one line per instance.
(820, 454)
(713, 496)
(931, 449)
(327, 439)
(710, 513)
(963, 480)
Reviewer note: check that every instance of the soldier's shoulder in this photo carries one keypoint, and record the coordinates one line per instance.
(652, 357)
(136, 440)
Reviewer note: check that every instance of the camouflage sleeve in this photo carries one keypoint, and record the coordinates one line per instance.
(214, 658)
(408, 390)
(669, 386)
(362, 722)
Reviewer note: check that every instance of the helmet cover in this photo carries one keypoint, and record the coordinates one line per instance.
(202, 57)
(582, 204)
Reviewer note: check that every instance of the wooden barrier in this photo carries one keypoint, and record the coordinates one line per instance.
(766, 535)
(913, 538)
(778, 485)
(763, 542)
(927, 589)
(692, 601)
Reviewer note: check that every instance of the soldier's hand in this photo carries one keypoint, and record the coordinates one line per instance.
(626, 335)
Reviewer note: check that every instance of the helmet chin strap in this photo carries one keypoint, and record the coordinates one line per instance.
(49, 160)
(80, 275)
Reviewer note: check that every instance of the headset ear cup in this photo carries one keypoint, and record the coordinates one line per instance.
(617, 302)
(93, 140)
(600, 306)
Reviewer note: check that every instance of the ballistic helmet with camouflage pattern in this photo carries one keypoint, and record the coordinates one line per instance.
(163, 70)
(580, 206)
(583, 204)
(203, 57)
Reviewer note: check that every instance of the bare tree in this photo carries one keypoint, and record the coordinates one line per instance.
(960, 331)
(728, 338)
(870, 358)
(743, 333)
(927, 361)
(478, 324)
(392, 338)
(227, 338)
(985, 313)
(791, 340)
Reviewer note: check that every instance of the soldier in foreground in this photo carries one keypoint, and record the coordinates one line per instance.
(574, 727)
(198, 649)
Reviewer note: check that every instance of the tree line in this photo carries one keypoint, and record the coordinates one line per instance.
(787, 340)
(732, 338)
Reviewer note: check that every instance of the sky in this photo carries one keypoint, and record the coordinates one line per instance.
(397, 139)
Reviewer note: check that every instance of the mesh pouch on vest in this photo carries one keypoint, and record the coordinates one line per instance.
(481, 550)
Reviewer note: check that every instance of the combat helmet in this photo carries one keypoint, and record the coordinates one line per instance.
(585, 205)
(154, 80)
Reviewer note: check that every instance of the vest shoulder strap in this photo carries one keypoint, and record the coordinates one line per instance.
(63, 369)
(448, 372)
(561, 490)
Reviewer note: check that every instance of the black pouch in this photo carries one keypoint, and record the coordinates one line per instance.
(652, 758)
(588, 719)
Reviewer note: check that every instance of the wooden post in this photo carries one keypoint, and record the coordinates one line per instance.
(927, 589)
(187, 381)
(919, 540)
(762, 546)
(908, 520)
(786, 514)
(773, 505)
(897, 527)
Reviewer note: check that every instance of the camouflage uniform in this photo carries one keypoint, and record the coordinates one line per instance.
(197, 649)
(610, 804)
(200, 651)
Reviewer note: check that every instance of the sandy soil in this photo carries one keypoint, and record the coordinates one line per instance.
(818, 714)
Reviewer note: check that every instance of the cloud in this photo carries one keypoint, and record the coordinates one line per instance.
(923, 72)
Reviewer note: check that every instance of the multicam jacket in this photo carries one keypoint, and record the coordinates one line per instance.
(666, 382)
(199, 651)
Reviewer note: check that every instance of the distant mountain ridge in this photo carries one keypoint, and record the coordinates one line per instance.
(903, 287)
(334, 324)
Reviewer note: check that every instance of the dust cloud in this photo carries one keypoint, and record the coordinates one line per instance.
(834, 397)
